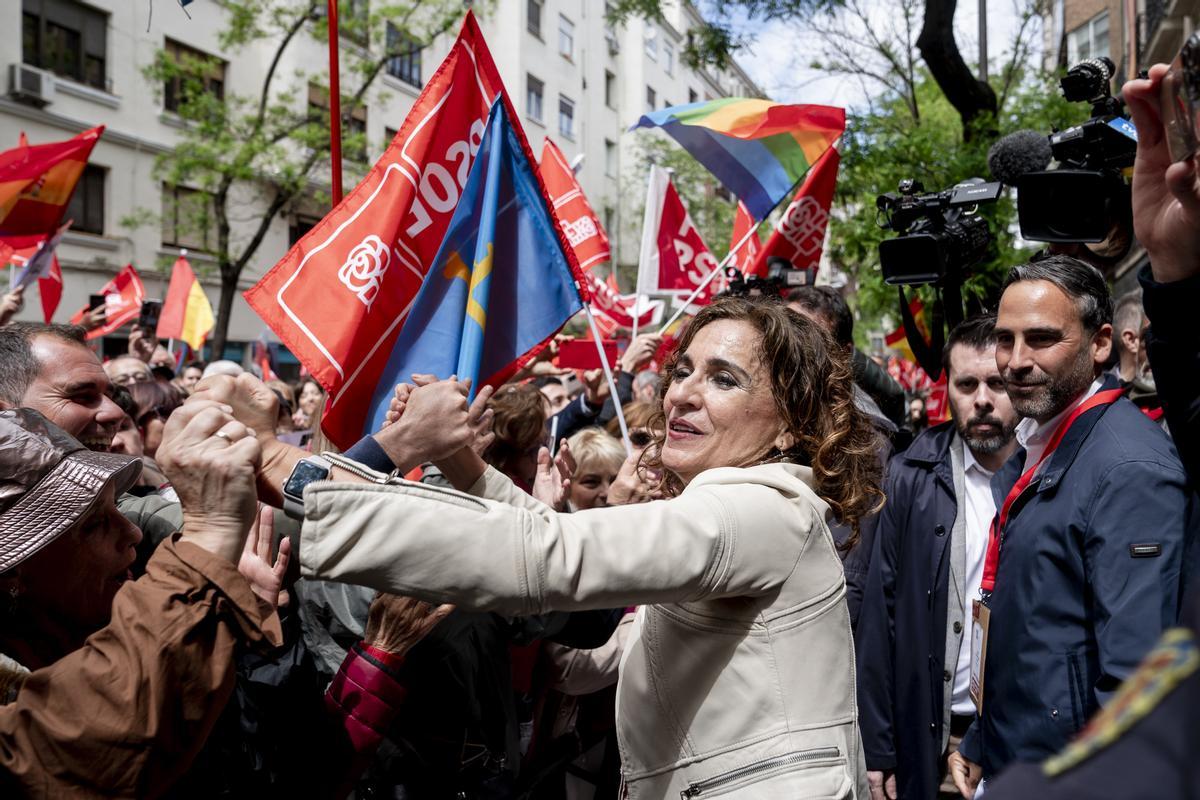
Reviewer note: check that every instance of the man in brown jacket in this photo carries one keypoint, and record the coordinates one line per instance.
(124, 714)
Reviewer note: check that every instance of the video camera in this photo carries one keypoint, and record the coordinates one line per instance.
(782, 275)
(939, 233)
(1086, 197)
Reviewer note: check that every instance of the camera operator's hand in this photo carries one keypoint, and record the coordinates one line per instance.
(1166, 195)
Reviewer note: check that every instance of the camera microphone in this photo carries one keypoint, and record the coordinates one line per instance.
(1018, 153)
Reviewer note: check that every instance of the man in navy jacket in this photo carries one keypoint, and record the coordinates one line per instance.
(913, 633)
(1091, 562)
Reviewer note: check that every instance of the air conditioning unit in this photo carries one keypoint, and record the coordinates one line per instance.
(30, 84)
(614, 46)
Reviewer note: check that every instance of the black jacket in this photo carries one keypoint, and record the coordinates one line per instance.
(901, 636)
(1173, 343)
(1076, 604)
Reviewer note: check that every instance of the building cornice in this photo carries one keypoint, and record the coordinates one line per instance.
(112, 136)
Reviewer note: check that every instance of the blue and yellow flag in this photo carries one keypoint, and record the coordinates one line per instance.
(500, 284)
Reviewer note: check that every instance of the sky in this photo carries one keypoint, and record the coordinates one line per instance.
(779, 53)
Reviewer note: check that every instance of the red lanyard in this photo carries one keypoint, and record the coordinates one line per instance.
(998, 522)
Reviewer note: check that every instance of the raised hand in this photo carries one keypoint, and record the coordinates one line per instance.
(1166, 195)
(257, 407)
(211, 460)
(633, 484)
(640, 352)
(11, 304)
(552, 483)
(433, 423)
(395, 623)
(142, 343)
(262, 570)
(595, 386)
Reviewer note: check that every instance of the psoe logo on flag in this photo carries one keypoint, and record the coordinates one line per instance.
(364, 268)
(804, 225)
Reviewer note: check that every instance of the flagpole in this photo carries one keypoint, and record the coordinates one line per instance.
(335, 106)
(647, 214)
(608, 376)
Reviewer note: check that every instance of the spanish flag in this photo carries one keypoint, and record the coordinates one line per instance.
(37, 181)
(186, 313)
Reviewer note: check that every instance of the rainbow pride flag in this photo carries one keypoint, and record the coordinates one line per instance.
(758, 149)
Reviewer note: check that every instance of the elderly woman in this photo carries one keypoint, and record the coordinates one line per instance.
(739, 680)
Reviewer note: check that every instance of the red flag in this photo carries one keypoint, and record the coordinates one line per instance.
(579, 222)
(674, 258)
(800, 235)
(37, 181)
(340, 295)
(18, 250)
(615, 310)
(747, 255)
(123, 302)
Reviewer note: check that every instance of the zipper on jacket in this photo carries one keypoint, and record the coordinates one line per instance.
(700, 787)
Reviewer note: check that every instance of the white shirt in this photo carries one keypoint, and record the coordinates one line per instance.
(979, 508)
(1034, 437)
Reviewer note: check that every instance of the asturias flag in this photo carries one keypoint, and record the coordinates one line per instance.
(758, 149)
(500, 285)
(186, 313)
(37, 181)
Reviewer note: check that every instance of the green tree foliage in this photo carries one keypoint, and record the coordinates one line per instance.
(253, 156)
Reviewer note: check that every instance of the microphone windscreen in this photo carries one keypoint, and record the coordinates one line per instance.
(1017, 153)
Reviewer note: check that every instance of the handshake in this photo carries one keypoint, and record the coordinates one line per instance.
(221, 453)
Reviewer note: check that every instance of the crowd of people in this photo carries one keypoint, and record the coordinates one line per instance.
(781, 582)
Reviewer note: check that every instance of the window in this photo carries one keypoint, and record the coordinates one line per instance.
(610, 158)
(406, 64)
(188, 218)
(300, 225)
(651, 38)
(566, 37)
(87, 204)
(669, 58)
(533, 98)
(610, 89)
(651, 99)
(692, 96)
(1089, 40)
(201, 74)
(354, 123)
(66, 38)
(666, 103)
(533, 17)
(566, 117)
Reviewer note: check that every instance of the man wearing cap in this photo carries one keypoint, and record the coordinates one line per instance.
(122, 710)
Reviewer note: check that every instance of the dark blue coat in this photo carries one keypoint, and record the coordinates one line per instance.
(1076, 604)
(901, 635)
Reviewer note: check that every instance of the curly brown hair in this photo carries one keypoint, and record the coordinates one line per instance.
(813, 389)
(519, 424)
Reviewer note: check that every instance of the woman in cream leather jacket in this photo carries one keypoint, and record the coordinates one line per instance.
(738, 681)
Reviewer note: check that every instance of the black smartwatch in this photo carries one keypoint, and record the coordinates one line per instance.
(306, 471)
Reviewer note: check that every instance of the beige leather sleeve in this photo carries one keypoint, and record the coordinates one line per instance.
(444, 545)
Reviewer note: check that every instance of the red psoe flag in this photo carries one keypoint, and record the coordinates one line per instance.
(800, 234)
(579, 222)
(340, 296)
(37, 181)
(617, 309)
(123, 297)
(674, 259)
(746, 257)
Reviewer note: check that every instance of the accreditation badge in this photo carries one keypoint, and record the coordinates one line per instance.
(982, 616)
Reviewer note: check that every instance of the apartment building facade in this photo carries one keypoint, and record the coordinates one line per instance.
(571, 76)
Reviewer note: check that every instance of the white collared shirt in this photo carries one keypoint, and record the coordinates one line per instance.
(979, 507)
(1034, 437)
